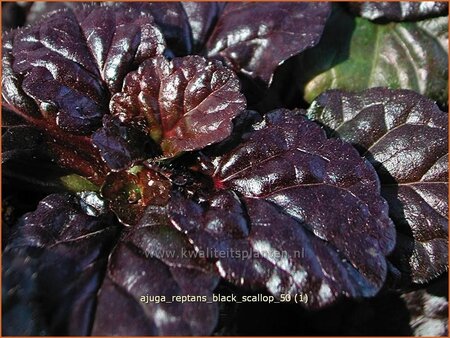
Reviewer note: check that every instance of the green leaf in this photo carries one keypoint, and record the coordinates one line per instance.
(408, 55)
(77, 183)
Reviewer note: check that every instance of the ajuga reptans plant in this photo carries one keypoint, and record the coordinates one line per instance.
(133, 131)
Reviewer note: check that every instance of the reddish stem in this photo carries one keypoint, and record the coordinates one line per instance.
(73, 151)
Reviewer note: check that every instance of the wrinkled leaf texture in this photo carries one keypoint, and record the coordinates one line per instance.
(84, 284)
(288, 189)
(255, 38)
(70, 62)
(58, 75)
(184, 104)
(405, 136)
(251, 38)
(284, 181)
(86, 52)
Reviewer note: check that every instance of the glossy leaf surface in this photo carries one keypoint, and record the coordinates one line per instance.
(60, 72)
(202, 17)
(120, 145)
(252, 38)
(184, 104)
(255, 38)
(70, 63)
(149, 261)
(405, 136)
(287, 190)
(67, 252)
(176, 192)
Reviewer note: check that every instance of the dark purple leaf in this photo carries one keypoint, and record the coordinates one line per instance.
(119, 40)
(18, 109)
(67, 252)
(405, 136)
(149, 261)
(306, 210)
(252, 38)
(399, 11)
(67, 87)
(130, 192)
(121, 146)
(21, 315)
(27, 148)
(185, 25)
(242, 124)
(59, 75)
(173, 22)
(169, 17)
(68, 62)
(184, 104)
(12, 92)
(255, 38)
(202, 17)
(204, 187)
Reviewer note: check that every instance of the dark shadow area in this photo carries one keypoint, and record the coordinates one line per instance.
(384, 315)
(439, 286)
(255, 91)
(283, 91)
(28, 175)
(14, 15)
(24, 184)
